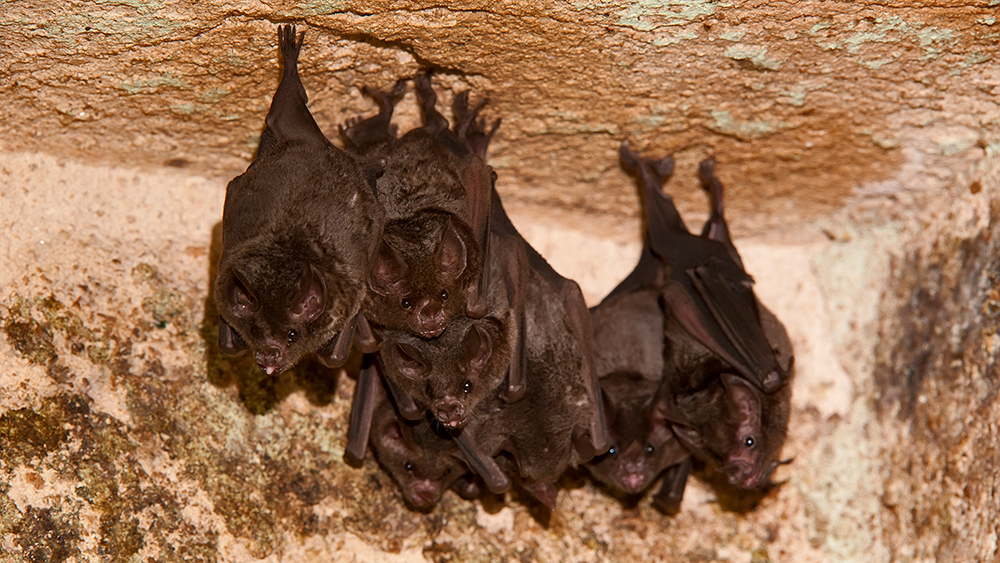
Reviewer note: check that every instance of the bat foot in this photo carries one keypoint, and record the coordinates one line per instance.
(514, 393)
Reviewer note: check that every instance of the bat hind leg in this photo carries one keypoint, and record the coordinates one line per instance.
(434, 122)
(378, 128)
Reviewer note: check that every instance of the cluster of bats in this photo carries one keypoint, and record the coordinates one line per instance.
(482, 367)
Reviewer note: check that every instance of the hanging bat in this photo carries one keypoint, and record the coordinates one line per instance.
(643, 445)
(299, 229)
(422, 459)
(706, 291)
(436, 196)
(719, 414)
(629, 348)
(431, 181)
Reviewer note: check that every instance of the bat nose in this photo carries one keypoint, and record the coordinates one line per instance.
(424, 493)
(431, 319)
(450, 412)
(633, 483)
(269, 360)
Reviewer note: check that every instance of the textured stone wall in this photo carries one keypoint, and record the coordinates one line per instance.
(859, 141)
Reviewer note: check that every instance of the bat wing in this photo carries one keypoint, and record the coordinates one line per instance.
(362, 409)
(647, 273)
(727, 291)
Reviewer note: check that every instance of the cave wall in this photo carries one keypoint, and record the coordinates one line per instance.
(860, 146)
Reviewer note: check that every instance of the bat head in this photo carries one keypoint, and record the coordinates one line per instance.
(642, 444)
(755, 431)
(418, 459)
(421, 275)
(279, 314)
(453, 373)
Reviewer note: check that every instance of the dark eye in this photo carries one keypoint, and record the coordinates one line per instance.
(649, 449)
(444, 295)
(292, 335)
(405, 303)
(408, 466)
(749, 442)
(467, 386)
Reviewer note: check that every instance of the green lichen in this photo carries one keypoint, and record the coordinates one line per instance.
(988, 20)
(321, 7)
(724, 124)
(152, 85)
(187, 108)
(646, 15)
(213, 95)
(674, 39)
(756, 55)
(892, 29)
(733, 35)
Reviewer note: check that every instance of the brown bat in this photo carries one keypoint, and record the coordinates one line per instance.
(629, 348)
(720, 413)
(299, 229)
(422, 458)
(436, 196)
(707, 293)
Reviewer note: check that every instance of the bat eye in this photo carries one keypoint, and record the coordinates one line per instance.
(749, 442)
(292, 335)
(467, 386)
(444, 295)
(649, 449)
(612, 451)
(405, 303)
(408, 466)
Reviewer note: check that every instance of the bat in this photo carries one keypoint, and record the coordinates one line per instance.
(643, 444)
(422, 459)
(300, 227)
(629, 349)
(436, 196)
(559, 421)
(708, 294)
(716, 410)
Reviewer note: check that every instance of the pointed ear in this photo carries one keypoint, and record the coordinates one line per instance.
(240, 296)
(397, 438)
(478, 347)
(451, 253)
(230, 341)
(409, 360)
(388, 270)
(744, 398)
(310, 297)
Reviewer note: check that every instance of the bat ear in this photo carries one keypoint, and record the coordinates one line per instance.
(397, 438)
(241, 298)
(388, 270)
(230, 341)
(744, 398)
(409, 360)
(310, 299)
(478, 346)
(451, 253)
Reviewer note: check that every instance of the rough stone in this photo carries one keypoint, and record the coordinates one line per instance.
(860, 145)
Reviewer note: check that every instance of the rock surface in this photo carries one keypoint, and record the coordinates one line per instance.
(861, 146)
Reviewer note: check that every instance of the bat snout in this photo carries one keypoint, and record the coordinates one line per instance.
(450, 412)
(424, 493)
(431, 320)
(270, 360)
(633, 483)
